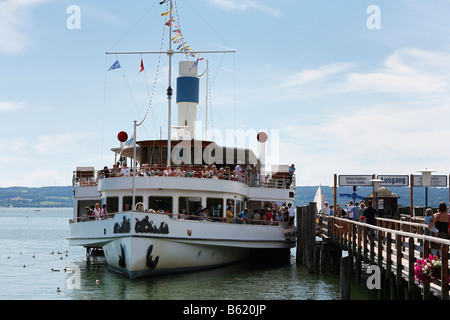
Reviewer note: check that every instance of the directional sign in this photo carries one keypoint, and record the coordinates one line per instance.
(355, 180)
(394, 181)
(353, 196)
(437, 181)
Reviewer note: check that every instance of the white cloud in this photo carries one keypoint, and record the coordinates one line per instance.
(309, 75)
(377, 139)
(14, 15)
(245, 6)
(348, 130)
(405, 71)
(10, 106)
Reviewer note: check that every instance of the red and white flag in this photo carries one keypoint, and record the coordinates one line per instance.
(142, 65)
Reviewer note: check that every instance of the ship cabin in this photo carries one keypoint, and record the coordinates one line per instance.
(201, 175)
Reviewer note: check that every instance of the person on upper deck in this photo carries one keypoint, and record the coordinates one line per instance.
(239, 171)
(125, 171)
(104, 212)
(97, 211)
(155, 171)
(441, 221)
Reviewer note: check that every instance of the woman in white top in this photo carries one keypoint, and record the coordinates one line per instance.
(97, 211)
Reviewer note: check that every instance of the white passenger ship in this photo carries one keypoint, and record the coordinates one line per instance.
(154, 224)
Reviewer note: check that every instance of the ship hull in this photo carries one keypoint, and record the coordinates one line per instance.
(139, 244)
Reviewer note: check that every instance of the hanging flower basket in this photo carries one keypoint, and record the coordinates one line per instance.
(428, 270)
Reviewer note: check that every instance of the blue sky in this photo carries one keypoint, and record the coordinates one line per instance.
(343, 98)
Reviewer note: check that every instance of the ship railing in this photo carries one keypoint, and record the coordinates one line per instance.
(283, 180)
(179, 216)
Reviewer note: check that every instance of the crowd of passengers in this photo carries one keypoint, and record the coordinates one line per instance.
(247, 174)
(285, 214)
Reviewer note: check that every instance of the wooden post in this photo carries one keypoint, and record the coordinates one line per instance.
(335, 193)
(300, 235)
(311, 236)
(399, 266)
(444, 272)
(372, 246)
(365, 238)
(426, 287)
(381, 294)
(411, 262)
(345, 276)
(389, 277)
(412, 202)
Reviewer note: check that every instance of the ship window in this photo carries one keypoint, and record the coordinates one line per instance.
(128, 201)
(160, 203)
(215, 206)
(154, 155)
(191, 204)
(163, 156)
(113, 204)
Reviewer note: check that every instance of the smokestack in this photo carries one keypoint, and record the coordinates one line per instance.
(187, 98)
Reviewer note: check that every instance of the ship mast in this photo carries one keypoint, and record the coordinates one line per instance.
(169, 53)
(169, 91)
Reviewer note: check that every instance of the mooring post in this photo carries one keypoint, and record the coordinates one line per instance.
(311, 234)
(345, 276)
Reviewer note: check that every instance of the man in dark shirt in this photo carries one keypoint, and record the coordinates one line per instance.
(370, 213)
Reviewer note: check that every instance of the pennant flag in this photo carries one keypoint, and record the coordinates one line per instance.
(116, 65)
(177, 31)
(142, 65)
(178, 40)
(164, 1)
(167, 13)
(179, 35)
(168, 22)
(194, 64)
(181, 44)
(129, 142)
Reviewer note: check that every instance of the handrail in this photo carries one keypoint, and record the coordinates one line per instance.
(91, 178)
(393, 231)
(234, 220)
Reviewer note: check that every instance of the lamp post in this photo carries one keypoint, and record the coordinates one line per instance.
(376, 187)
(426, 182)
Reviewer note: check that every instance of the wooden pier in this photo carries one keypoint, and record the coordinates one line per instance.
(392, 245)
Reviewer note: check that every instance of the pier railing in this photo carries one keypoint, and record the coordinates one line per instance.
(394, 246)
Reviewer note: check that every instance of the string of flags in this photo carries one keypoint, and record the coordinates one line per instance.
(178, 39)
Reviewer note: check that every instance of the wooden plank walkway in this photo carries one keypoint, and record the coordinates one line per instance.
(393, 245)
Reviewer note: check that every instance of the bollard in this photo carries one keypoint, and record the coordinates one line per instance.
(345, 275)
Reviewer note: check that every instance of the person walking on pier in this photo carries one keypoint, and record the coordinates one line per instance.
(441, 221)
(370, 214)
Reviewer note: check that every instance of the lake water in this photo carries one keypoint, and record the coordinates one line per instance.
(33, 242)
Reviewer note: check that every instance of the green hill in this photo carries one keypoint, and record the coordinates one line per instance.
(36, 197)
(62, 196)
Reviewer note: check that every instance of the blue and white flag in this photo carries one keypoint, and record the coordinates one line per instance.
(116, 65)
